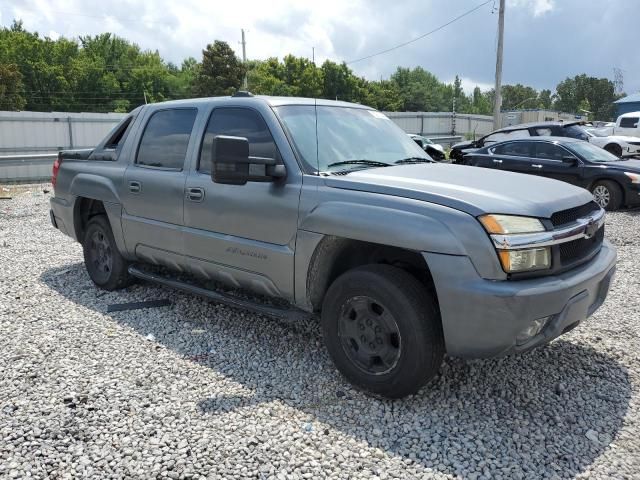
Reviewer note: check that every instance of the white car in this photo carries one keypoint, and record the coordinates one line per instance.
(620, 146)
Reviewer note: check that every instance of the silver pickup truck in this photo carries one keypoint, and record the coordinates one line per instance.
(332, 208)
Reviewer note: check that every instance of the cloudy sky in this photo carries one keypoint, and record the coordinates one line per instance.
(545, 40)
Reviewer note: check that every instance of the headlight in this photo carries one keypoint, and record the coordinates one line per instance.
(503, 224)
(514, 261)
(635, 177)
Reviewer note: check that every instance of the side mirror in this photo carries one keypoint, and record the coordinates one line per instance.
(569, 160)
(232, 165)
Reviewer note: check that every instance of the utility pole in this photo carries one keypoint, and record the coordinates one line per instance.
(497, 101)
(244, 60)
(313, 55)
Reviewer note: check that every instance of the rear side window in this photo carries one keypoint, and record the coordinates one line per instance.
(237, 122)
(629, 122)
(508, 135)
(543, 132)
(515, 149)
(166, 138)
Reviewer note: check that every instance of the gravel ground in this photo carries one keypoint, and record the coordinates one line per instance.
(199, 390)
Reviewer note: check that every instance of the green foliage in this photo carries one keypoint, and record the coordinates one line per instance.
(108, 73)
(598, 93)
(94, 73)
(221, 72)
(11, 88)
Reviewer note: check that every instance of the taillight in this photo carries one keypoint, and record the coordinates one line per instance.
(56, 168)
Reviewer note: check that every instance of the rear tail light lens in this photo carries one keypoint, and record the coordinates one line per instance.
(56, 168)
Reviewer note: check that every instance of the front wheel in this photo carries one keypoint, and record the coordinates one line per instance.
(607, 194)
(382, 330)
(103, 261)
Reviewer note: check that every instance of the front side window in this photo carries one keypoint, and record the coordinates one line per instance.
(330, 139)
(237, 122)
(166, 138)
(549, 151)
(515, 149)
(576, 131)
(629, 122)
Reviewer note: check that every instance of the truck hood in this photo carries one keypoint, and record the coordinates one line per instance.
(472, 190)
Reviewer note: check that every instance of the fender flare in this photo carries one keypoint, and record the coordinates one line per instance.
(382, 225)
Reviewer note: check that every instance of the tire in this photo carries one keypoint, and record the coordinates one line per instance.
(607, 194)
(614, 149)
(103, 261)
(372, 301)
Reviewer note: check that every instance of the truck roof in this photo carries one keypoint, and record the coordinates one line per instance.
(272, 101)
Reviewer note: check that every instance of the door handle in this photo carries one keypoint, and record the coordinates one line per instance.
(195, 194)
(135, 187)
(495, 160)
(536, 165)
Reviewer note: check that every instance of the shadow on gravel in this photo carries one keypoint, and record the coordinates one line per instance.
(552, 411)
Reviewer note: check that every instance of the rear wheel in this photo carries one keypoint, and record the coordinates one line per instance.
(382, 330)
(103, 261)
(614, 149)
(607, 194)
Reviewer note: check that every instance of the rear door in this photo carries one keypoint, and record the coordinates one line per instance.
(514, 157)
(549, 162)
(154, 186)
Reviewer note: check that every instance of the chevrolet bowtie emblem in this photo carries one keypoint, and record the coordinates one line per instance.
(591, 229)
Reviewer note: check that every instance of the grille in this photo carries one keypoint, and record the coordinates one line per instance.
(576, 250)
(572, 214)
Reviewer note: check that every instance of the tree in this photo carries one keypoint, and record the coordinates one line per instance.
(221, 72)
(598, 92)
(519, 97)
(545, 100)
(11, 88)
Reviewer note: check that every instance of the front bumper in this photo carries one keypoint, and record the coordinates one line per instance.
(482, 318)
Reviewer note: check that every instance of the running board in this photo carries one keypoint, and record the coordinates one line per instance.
(287, 314)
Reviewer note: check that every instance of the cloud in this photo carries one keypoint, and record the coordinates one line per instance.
(537, 7)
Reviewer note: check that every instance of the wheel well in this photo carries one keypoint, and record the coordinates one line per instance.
(85, 208)
(334, 256)
(612, 146)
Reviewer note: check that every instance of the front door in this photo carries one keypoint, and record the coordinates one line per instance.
(549, 156)
(243, 235)
(154, 187)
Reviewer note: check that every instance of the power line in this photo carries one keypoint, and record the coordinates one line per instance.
(468, 12)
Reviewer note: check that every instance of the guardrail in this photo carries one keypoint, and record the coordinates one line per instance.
(26, 167)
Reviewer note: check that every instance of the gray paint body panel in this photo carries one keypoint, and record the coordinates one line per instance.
(263, 236)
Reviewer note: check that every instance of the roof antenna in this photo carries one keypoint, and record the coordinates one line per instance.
(145, 96)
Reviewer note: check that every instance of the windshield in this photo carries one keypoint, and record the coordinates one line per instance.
(591, 153)
(347, 138)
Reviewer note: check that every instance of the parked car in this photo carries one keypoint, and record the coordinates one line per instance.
(330, 207)
(615, 144)
(434, 150)
(612, 181)
(524, 130)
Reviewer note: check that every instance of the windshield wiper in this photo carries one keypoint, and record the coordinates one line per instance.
(372, 163)
(413, 160)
